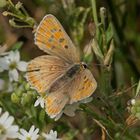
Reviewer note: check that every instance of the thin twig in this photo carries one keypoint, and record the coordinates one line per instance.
(124, 91)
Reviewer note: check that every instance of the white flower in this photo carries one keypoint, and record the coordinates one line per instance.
(7, 130)
(70, 109)
(51, 136)
(31, 135)
(133, 101)
(40, 100)
(11, 61)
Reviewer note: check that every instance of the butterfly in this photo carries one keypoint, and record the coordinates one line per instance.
(59, 74)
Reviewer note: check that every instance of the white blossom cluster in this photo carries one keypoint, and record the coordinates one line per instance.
(9, 130)
(10, 61)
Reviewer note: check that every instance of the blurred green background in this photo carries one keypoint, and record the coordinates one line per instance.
(122, 23)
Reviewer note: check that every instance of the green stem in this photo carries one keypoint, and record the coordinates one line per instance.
(120, 38)
(24, 10)
(94, 12)
(23, 26)
(109, 124)
(90, 112)
(105, 82)
(12, 14)
(11, 3)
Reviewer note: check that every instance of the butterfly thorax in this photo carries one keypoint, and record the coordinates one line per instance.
(67, 77)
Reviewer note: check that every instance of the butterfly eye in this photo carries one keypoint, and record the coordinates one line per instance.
(84, 65)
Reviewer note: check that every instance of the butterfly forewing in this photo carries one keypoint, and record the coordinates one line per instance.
(51, 38)
(44, 70)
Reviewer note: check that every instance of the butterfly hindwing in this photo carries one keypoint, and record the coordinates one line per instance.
(56, 101)
(51, 38)
(82, 86)
(44, 70)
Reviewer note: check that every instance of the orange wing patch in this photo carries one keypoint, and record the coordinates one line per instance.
(51, 38)
(44, 70)
(55, 102)
(84, 85)
(84, 91)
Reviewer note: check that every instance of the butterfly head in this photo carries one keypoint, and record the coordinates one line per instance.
(84, 65)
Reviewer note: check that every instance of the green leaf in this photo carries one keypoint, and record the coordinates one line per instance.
(17, 46)
(42, 116)
(138, 89)
(109, 33)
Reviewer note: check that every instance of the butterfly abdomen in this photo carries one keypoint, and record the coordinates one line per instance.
(68, 76)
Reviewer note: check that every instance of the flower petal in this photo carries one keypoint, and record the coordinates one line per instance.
(4, 117)
(42, 103)
(24, 132)
(17, 56)
(9, 121)
(14, 56)
(35, 134)
(36, 103)
(51, 136)
(13, 75)
(36, 131)
(13, 128)
(31, 129)
(22, 66)
(35, 137)
(21, 137)
(4, 63)
(12, 134)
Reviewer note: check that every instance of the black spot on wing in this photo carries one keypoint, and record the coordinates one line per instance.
(66, 46)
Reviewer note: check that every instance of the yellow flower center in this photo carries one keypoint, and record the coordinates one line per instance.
(2, 130)
(13, 65)
(28, 138)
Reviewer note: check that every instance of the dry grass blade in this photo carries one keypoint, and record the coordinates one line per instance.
(103, 134)
(131, 120)
(103, 129)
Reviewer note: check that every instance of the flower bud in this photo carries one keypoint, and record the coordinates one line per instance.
(12, 22)
(42, 115)
(109, 55)
(97, 50)
(15, 98)
(5, 13)
(26, 98)
(103, 16)
(30, 20)
(18, 5)
(135, 109)
(27, 86)
(19, 92)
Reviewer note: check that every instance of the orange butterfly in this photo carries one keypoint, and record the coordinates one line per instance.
(60, 74)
